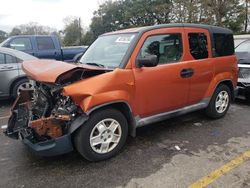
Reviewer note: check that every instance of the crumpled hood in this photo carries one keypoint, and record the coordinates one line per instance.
(50, 70)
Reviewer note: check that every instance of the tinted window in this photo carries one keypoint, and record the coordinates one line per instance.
(10, 59)
(21, 44)
(2, 61)
(45, 43)
(168, 48)
(224, 44)
(198, 45)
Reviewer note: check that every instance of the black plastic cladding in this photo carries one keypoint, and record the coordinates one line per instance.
(211, 29)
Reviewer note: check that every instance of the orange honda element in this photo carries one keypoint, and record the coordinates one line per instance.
(126, 79)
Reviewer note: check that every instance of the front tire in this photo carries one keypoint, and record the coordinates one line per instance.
(23, 84)
(247, 95)
(102, 136)
(220, 102)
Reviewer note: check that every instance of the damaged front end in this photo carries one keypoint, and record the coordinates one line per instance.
(42, 118)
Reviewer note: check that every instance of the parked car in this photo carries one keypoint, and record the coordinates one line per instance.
(240, 38)
(126, 79)
(44, 47)
(243, 55)
(13, 79)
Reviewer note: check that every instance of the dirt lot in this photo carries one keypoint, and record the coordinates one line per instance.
(174, 153)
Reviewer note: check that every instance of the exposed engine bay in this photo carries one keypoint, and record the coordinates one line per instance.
(41, 114)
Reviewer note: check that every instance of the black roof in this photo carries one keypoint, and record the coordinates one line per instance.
(212, 29)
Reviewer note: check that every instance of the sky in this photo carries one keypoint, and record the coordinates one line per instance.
(45, 12)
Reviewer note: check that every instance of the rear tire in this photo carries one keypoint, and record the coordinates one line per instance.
(220, 102)
(102, 136)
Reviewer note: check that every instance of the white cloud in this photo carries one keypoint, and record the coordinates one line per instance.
(45, 12)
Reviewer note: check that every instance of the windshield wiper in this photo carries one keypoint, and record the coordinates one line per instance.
(95, 64)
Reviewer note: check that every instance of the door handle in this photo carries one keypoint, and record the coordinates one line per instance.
(186, 73)
(7, 67)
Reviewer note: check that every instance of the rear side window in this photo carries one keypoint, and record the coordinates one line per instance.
(21, 44)
(224, 44)
(2, 58)
(198, 45)
(10, 59)
(167, 48)
(45, 43)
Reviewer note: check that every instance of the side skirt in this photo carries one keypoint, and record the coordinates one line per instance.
(166, 115)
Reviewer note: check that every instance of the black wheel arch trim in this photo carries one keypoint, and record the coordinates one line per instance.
(232, 88)
(78, 122)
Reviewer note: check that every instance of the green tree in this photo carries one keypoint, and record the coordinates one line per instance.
(72, 31)
(121, 14)
(31, 28)
(88, 38)
(3, 36)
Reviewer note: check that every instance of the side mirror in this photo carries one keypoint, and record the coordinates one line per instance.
(149, 61)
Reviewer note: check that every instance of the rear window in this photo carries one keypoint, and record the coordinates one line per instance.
(45, 43)
(10, 59)
(224, 44)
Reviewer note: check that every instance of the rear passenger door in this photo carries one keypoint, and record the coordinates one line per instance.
(200, 62)
(46, 48)
(8, 72)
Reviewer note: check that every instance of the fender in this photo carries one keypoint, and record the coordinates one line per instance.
(104, 98)
(226, 76)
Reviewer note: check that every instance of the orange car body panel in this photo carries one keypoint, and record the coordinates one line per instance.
(117, 85)
(148, 90)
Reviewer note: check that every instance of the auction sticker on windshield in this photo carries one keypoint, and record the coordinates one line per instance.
(125, 39)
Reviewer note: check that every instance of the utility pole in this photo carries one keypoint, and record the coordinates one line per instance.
(246, 15)
(80, 30)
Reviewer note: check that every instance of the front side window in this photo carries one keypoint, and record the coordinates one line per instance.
(167, 48)
(2, 58)
(224, 44)
(108, 50)
(198, 45)
(45, 43)
(21, 44)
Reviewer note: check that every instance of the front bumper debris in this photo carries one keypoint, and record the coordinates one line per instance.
(57, 146)
(43, 136)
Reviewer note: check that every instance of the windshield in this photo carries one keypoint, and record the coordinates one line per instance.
(108, 51)
(243, 47)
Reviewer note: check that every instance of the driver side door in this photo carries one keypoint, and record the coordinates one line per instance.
(161, 88)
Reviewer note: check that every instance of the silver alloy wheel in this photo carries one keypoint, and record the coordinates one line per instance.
(222, 102)
(105, 136)
(25, 86)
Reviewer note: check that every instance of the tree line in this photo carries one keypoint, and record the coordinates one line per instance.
(122, 14)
